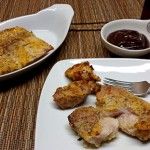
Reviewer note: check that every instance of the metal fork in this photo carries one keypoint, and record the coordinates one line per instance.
(141, 88)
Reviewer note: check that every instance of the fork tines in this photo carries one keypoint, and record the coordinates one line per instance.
(123, 84)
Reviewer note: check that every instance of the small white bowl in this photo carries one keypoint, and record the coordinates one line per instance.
(142, 26)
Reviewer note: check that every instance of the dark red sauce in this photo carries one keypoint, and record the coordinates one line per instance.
(128, 39)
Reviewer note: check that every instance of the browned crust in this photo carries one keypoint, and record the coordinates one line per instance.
(81, 71)
(83, 120)
(75, 93)
(19, 48)
(113, 98)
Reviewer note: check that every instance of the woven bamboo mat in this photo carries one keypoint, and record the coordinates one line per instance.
(86, 11)
(19, 97)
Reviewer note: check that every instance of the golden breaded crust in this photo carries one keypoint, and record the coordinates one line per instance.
(115, 98)
(81, 71)
(134, 118)
(66, 97)
(143, 128)
(18, 48)
(75, 93)
(92, 127)
(85, 121)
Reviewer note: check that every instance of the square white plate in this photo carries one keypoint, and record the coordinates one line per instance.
(52, 128)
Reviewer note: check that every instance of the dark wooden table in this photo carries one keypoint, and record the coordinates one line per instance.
(19, 97)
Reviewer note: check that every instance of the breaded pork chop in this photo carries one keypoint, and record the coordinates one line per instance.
(136, 126)
(75, 93)
(92, 127)
(112, 98)
(18, 48)
(81, 71)
(129, 109)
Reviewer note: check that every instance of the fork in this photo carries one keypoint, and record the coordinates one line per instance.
(137, 88)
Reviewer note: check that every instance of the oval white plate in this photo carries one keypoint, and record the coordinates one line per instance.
(50, 24)
(52, 127)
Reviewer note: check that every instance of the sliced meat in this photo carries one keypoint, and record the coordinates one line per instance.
(127, 123)
(132, 112)
(136, 126)
(112, 98)
(92, 127)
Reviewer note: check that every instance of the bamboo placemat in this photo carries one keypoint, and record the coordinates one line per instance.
(19, 97)
(86, 11)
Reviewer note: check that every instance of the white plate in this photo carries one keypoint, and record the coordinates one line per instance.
(50, 24)
(52, 129)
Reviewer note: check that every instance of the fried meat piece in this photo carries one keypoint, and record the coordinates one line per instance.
(136, 126)
(75, 93)
(129, 109)
(81, 71)
(18, 48)
(143, 128)
(112, 98)
(92, 127)
(127, 122)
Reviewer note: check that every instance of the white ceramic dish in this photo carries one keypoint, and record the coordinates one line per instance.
(142, 26)
(51, 24)
(52, 129)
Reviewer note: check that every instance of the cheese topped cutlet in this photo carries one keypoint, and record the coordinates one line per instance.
(18, 48)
